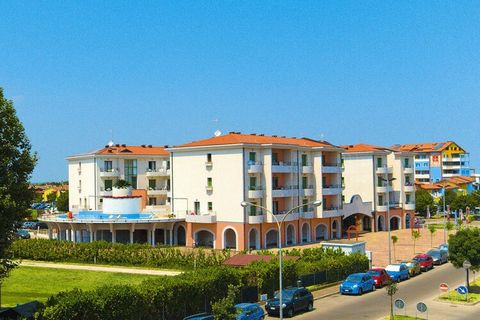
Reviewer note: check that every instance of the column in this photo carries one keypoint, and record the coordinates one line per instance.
(153, 238)
(114, 235)
(132, 229)
(92, 234)
(149, 236)
(49, 233)
(164, 236)
(171, 236)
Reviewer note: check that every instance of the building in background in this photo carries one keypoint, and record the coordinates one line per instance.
(366, 170)
(438, 160)
(462, 184)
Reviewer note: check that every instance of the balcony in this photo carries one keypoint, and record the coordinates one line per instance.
(209, 188)
(160, 172)
(408, 170)
(307, 168)
(109, 173)
(409, 187)
(330, 211)
(105, 192)
(255, 192)
(287, 191)
(333, 189)
(308, 214)
(281, 215)
(208, 164)
(331, 168)
(409, 206)
(382, 208)
(254, 167)
(384, 170)
(308, 191)
(256, 219)
(208, 217)
(158, 191)
(384, 189)
(284, 167)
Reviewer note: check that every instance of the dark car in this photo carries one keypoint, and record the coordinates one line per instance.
(293, 299)
(200, 316)
(249, 311)
(22, 234)
(425, 261)
(380, 276)
(438, 256)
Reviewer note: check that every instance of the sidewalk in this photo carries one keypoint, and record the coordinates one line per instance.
(29, 263)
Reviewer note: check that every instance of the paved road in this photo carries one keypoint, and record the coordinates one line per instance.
(375, 305)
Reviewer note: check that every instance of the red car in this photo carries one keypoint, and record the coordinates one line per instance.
(380, 276)
(425, 261)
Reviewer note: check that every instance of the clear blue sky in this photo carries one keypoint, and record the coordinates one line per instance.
(160, 72)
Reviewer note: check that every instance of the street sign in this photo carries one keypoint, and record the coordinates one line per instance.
(466, 264)
(399, 304)
(421, 307)
(444, 287)
(462, 290)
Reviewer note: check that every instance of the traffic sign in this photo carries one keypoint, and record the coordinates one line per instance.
(399, 304)
(466, 264)
(462, 290)
(421, 307)
(444, 287)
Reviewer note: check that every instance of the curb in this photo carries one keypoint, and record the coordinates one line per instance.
(471, 304)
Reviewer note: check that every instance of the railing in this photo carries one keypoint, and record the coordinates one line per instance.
(331, 186)
(409, 184)
(330, 208)
(109, 170)
(309, 186)
(254, 163)
(331, 164)
(284, 163)
(253, 188)
(295, 187)
(159, 170)
(105, 189)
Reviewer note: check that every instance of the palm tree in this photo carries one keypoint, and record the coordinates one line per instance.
(432, 230)
(394, 241)
(415, 236)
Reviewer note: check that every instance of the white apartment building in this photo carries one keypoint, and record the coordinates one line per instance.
(212, 177)
(92, 176)
(367, 170)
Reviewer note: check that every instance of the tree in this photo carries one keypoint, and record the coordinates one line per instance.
(423, 200)
(465, 245)
(415, 236)
(16, 166)
(224, 309)
(432, 230)
(449, 226)
(122, 184)
(450, 198)
(391, 288)
(394, 241)
(62, 201)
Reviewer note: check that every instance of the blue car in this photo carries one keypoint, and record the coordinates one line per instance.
(200, 316)
(357, 283)
(398, 272)
(249, 311)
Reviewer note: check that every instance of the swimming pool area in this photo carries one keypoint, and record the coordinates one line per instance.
(106, 217)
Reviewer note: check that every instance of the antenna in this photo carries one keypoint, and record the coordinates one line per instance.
(322, 136)
(217, 132)
(110, 143)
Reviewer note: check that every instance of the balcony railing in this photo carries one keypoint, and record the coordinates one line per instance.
(255, 166)
(157, 172)
(205, 217)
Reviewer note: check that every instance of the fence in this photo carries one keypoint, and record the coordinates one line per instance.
(322, 277)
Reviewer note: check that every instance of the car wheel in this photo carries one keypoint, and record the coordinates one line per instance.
(360, 291)
(373, 287)
(310, 306)
(290, 313)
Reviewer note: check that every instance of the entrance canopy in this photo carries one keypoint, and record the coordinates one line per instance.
(355, 206)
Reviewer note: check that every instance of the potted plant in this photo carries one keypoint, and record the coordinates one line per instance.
(122, 188)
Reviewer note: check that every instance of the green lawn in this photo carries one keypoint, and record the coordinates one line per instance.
(403, 318)
(473, 295)
(34, 283)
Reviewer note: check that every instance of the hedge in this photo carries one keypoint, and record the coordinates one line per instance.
(117, 254)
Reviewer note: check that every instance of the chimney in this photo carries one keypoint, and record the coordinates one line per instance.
(143, 146)
(149, 145)
(124, 145)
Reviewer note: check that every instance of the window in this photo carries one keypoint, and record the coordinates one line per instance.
(343, 182)
(131, 172)
(275, 207)
(196, 207)
(305, 206)
(253, 209)
(407, 180)
(274, 158)
(304, 182)
(406, 163)
(380, 200)
(210, 206)
(79, 168)
(253, 183)
(379, 182)
(152, 184)
(275, 183)
(168, 184)
(107, 166)
(108, 184)
(79, 185)
(168, 164)
(379, 163)
(152, 165)
(304, 160)
(152, 201)
(252, 157)
(209, 182)
(407, 198)
(209, 157)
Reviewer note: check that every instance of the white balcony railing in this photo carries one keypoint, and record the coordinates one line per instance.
(332, 167)
(308, 191)
(109, 173)
(284, 167)
(409, 206)
(160, 172)
(328, 190)
(408, 170)
(207, 217)
(158, 191)
(255, 192)
(409, 188)
(286, 191)
(256, 219)
(255, 167)
(281, 215)
(105, 192)
(384, 170)
(307, 168)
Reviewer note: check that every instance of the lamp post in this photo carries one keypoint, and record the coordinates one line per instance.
(279, 225)
(444, 218)
(388, 217)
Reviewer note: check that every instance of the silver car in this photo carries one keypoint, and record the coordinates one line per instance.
(438, 256)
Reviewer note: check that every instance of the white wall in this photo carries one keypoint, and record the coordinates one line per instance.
(359, 177)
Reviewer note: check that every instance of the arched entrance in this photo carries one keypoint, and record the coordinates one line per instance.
(290, 234)
(271, 239)
(253, 240)
(408, 220)
(229, 239)
(305, 232)
(181, 236)
(381, 223)
(204, 238)
(394, 223)
(321, 232)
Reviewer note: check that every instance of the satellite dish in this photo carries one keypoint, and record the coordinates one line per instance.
(217, 133)
(110, 143)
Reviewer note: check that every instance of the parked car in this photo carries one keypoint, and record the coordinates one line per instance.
(22, 233)
(30, 225)
(293, 299)
(425, 261)
(357, 283)
(249, 311)
(200, 316)
(380, 276)
(398, 272)
(444, 247)
(413, 268)
(438, 256)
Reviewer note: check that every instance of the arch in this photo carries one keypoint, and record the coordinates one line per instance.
(271, 238)
(321, 232)
(306, 232)
(334, 229)
(253, 239)
(408, 220)
(181, 236)
(381, 223)
(290, 235)
(395, 223)
(204, 238)
(230, 238)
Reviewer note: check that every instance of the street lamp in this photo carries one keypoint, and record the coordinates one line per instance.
(444, 217)
(279, 225)
(388, 180)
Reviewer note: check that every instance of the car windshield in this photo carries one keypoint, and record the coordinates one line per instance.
(421, 259)
(393, 267)
(354, 278)
(286, 295)
(433, 253)
(410, 264)
(374, 273)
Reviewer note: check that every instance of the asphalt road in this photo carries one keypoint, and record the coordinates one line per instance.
(375, 305)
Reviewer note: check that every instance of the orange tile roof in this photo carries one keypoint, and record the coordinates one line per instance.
(362, 147)
(422, 147)
(239, 138)
(449, 183)
(461, 179)
(121, 149)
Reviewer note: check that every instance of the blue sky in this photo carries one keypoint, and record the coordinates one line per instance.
(160, 72)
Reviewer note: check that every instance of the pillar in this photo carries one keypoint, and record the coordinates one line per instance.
(149, 236)
(132, 229)
(171, 236)
(49, 233)
(92, 234)
(164, 236)
(153, 238)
